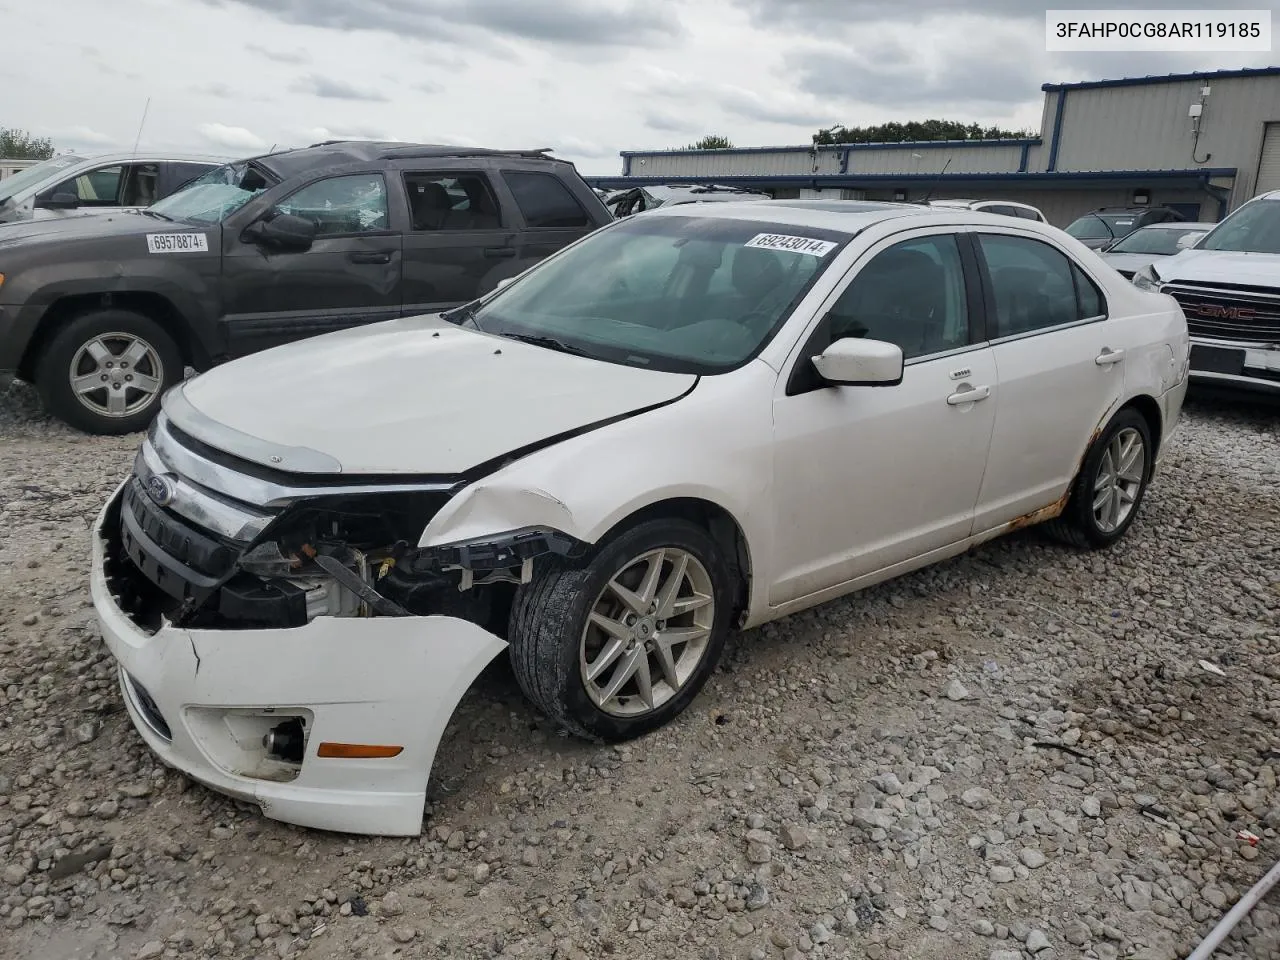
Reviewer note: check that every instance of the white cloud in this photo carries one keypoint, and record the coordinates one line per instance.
(587, 77)
(234, 137)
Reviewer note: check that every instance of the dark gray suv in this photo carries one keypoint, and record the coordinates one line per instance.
(103, 313)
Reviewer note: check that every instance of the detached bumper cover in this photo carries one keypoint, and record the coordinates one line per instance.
(393, 680)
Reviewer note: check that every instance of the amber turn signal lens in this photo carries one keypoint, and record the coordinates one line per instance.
(357, 751)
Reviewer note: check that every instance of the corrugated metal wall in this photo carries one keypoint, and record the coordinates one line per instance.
(932, 160)
(729, 164)
(1147, 128)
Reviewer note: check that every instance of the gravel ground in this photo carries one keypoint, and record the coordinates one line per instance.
(1013, 754)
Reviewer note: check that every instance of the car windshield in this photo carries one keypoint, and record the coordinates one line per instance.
(678, 293)
(1094, 226)
(215, 196)
(1254, 228)
(1154, 240)
(11, 186)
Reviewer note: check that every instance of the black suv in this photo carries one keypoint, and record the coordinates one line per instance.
(103, 313)
(1108, 224)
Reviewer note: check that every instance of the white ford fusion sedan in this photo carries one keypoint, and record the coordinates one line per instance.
(688, 422)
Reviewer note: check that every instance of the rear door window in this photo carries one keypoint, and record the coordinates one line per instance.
(451, 201)
(545, 201)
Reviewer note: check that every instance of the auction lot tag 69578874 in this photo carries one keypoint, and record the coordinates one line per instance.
(781, 241)
(177, 243)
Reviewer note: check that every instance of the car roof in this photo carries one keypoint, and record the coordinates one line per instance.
(848, 216)
(143, 156)
(333, 153)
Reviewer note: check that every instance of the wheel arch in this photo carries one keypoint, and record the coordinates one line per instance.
(150, 304)
(1149, 409)
(716, 520)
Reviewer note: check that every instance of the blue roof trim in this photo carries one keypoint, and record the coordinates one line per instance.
(1057, 131)
(855, 180)
(809, 148)
(1168, 78)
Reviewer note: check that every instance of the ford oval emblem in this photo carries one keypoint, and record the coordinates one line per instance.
(161, 490)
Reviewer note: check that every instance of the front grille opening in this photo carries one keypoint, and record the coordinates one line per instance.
(147, 707)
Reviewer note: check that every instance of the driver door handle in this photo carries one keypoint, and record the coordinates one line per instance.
(370, 256)
(1108, 357)
(500, 253)
(972, 395)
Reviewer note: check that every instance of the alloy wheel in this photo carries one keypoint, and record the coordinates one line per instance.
(116, 374)
(647, 632)
(1119, 480)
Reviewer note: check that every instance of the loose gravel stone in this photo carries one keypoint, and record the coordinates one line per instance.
(831, 798)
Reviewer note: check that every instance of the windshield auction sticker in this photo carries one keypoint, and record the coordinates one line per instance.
(177, 243)
(780, 241)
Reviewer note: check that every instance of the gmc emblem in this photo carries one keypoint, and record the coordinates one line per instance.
(1216, 312)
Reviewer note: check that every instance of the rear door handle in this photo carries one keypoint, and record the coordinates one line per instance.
(1108, 357)
(370, 256)
(972, 395)
(500, 253)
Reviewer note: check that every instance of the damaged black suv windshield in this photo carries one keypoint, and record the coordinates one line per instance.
(216, 195)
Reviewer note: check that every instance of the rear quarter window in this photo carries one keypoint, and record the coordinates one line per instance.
(545, 201)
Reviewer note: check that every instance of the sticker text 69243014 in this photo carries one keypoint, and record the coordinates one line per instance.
(781, 241)
(177, 243)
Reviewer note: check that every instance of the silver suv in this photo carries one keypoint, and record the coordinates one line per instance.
(70, 185)
(1007, 208)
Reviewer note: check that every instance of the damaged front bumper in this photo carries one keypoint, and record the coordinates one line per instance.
(206, 700)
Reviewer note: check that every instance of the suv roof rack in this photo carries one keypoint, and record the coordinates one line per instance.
(416, 150)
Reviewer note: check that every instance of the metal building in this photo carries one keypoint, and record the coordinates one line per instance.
(1202, 143)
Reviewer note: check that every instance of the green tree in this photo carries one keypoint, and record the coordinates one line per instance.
(20, 145)
(914, 130)
(711, 142)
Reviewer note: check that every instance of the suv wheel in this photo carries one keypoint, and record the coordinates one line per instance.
(106, 371)
(1108, 491)
(619, 646)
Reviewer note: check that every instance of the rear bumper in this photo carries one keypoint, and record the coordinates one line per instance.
(1236, 365)
(202, 699)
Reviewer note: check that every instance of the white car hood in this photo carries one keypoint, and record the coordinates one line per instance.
(410, 396)
(1218, 266)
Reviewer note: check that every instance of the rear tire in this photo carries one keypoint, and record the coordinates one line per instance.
(618, 612)
(1108, 491)
(105, 372)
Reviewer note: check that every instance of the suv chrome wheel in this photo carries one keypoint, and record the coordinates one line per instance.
(116, 374)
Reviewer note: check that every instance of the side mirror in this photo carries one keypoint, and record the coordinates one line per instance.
(1189, 240)
(58, 201)
(854, 362)
(283, 231)
(503, 282)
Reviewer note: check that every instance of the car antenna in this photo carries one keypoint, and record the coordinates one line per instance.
(138, 138)
(934, 185)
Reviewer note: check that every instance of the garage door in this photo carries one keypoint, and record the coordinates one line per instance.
(1269, 164)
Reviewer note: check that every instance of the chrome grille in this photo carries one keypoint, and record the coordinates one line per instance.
(1229, 312)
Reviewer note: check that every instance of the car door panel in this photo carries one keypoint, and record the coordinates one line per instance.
(1060, 372)
(896, 469)
(349, 276)
(459, 242)
(869, 477)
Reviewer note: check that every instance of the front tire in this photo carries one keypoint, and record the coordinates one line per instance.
(1108, 490)
(619, 645)
(106, 371)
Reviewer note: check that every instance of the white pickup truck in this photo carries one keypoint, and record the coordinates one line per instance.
(1229, 288)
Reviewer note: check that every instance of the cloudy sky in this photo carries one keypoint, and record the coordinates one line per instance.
(586, 77)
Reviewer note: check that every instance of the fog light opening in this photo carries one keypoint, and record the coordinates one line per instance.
(286, 741)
